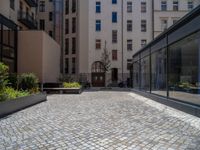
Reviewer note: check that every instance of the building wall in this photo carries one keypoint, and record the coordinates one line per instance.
(40, 56)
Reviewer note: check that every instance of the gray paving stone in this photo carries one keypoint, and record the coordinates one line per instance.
(100, 120)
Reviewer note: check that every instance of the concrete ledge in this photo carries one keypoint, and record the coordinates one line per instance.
(185, 107)
(12, 106)
(63, 90)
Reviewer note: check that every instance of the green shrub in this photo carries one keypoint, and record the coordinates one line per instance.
(3, 75)
(71, 85)
(9, 93)
(13, 81)
(28, 82)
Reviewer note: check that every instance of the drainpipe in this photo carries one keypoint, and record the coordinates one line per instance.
(122, 24)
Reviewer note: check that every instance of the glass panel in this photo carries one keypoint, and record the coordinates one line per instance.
(11, 38)
(8, 52)
(158, 72)
(5, 35)
(10, 63)
(184, 69)
(145, 74)
(136, 75)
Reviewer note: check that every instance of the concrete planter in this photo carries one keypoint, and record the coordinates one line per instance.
(11, 106)
(63, 90)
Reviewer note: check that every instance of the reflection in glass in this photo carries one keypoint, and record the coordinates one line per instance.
(184, 69)
(158, 72)
(145, 74)
(136, 74)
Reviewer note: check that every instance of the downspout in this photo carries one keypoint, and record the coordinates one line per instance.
(122, 24)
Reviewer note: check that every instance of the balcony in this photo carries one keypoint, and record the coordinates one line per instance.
(27, 20)
(31, 3)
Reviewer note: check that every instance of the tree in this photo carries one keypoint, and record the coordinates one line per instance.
(105, 60)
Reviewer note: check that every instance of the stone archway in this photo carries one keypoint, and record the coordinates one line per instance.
(98, 74)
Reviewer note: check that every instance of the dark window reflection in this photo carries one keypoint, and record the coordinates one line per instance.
(136, 74)
(145, 74)
(184, 69)
(158, 72)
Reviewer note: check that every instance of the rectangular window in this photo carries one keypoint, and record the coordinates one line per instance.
(73, 25)
(129, 7)
(143, 25)
(42, 24)
(114, 36)
(42, 6)
(190, 5)
(66, 26)
(66, 65)
(114, 1)
(98, 7)
(67, 7)
(98, 25)
(51, 33)
(129, 45)
(114, 54)
(175, 5)
(129, 25)
(164, 5)
(164, 24)
(114, 17)
(98, 44)
(12, 4)
(66, 46)
(73, 45)
(143, 42)
(73, 65)
(143, 7)
(50, 16)
(73, 6)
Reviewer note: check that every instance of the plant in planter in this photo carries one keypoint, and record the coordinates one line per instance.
(71, 85)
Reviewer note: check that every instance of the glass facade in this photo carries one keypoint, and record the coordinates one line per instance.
(170, 65)
(8, 46)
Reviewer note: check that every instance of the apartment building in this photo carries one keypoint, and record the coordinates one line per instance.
(120, 26)
(22, 47)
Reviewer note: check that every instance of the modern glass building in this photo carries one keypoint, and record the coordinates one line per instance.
(8, 43)
(169, 66)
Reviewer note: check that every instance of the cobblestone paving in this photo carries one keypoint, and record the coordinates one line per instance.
(100, 121)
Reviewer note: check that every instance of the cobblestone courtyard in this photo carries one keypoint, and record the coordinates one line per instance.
(100, 121)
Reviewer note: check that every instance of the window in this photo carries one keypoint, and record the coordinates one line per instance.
(114, 1)
(114, 17)
(143, 42)
(66, 26)
(129, 7)
(50, 16)
(145, 73)
(159, 72)
(175, 5)
(143, 25)
(143, 7)
(129, 25)
(98, 44)
(73, 25)
(67, 7)
(98, 7)
(114, 54)
(42, 6)
(12, 4)
(73, 6)
(66, 46)
(42, 24)
(184, 73)
(73, 45)
(114, 36)
(98, 25)
(129, 64)
(164, 24)
(190, 5)
(129, 45)
(66, 65)
(164, 5)
(51, 33)
(73, 65)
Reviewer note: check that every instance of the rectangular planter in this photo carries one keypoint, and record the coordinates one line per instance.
(63, 90)
(11, 106)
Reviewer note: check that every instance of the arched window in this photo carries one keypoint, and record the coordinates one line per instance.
(97, 67)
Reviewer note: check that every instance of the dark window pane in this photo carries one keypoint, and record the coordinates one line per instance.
(145, 74)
